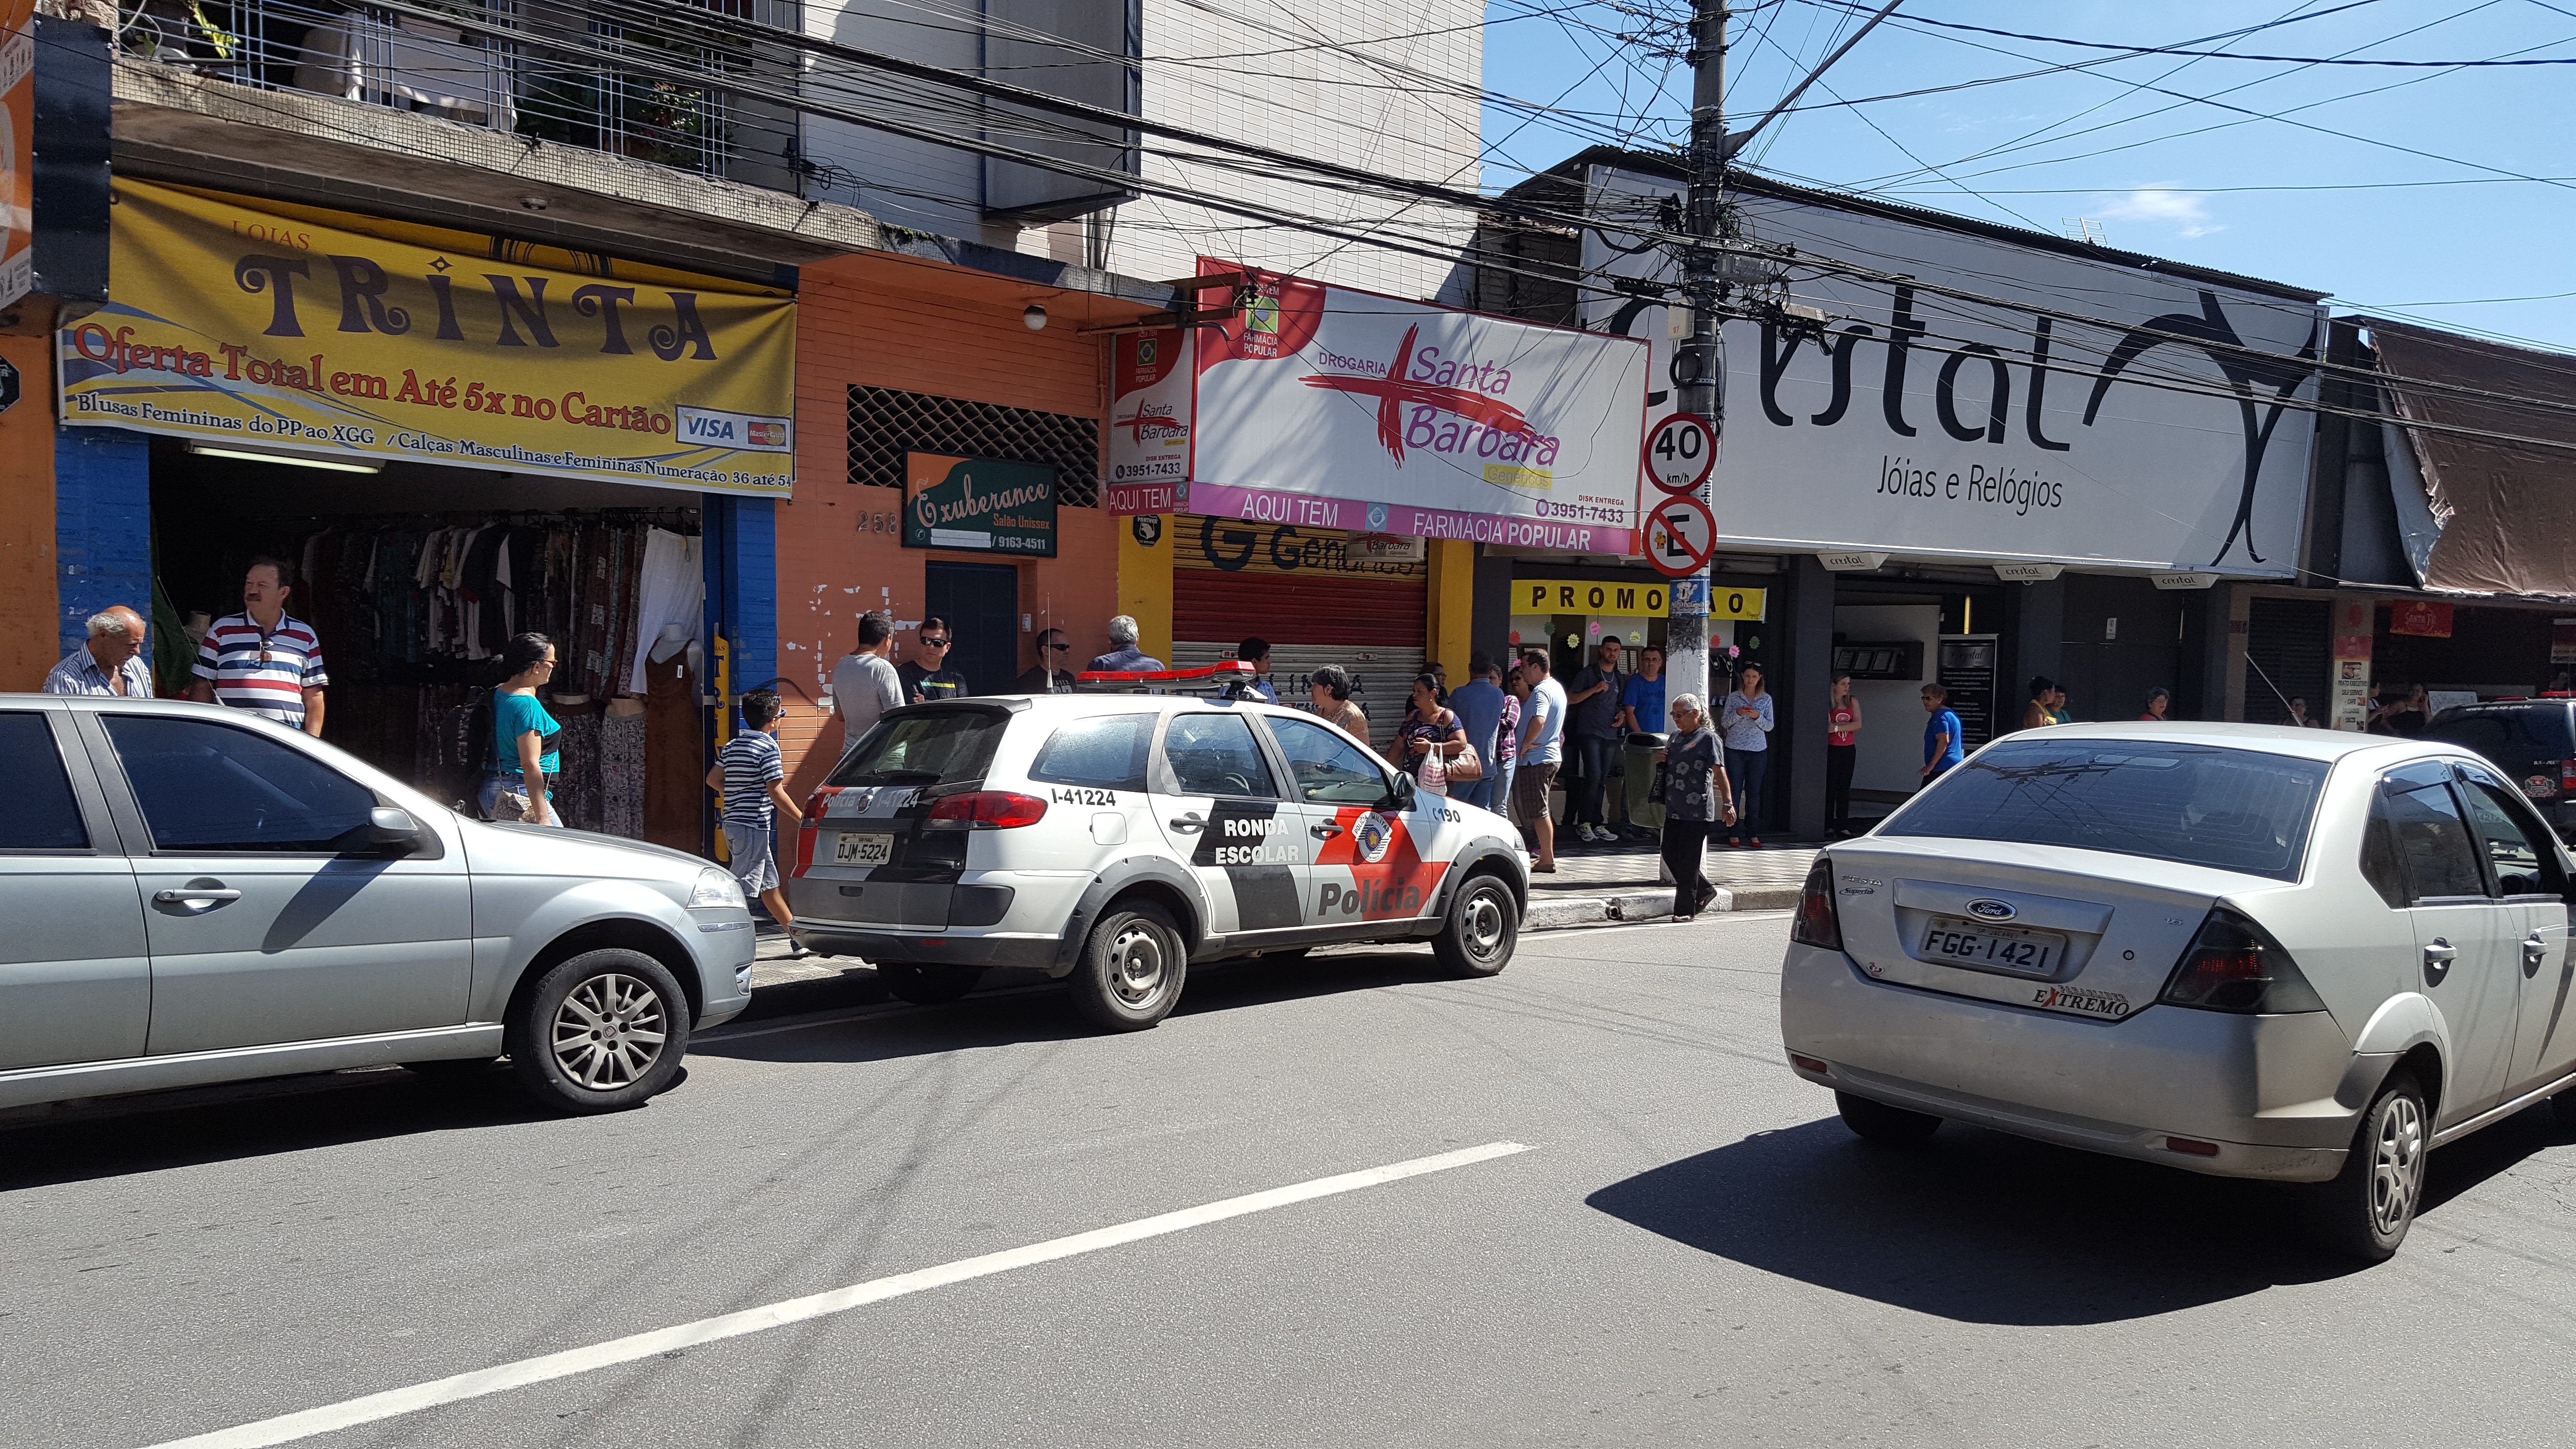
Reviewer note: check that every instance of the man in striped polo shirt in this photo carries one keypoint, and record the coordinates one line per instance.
(261, 659)
(751, 777)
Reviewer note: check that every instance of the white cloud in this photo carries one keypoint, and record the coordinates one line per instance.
(2184, 211)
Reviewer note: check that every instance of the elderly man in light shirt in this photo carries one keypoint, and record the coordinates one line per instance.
(110, 663)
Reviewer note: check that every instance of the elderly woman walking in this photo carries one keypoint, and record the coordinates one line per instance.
(1696, 802)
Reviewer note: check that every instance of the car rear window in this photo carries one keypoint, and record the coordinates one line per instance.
(2514, 739)
(1107, 752)
(2240, 810)
(932, 747)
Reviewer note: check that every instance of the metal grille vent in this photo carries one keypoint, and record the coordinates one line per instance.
(886, 424)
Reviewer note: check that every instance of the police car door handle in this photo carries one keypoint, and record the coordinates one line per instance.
(1188, 823)
(1326, 832)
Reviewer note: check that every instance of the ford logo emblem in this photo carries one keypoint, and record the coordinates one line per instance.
(1990, 910)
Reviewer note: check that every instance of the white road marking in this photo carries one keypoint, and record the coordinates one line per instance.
(504, 1377)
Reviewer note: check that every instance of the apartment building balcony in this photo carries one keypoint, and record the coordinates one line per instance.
(559, 122)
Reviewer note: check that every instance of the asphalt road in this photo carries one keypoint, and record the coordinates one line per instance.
(1692, 1251)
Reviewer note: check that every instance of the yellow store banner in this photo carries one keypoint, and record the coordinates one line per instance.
(1654, 600)
(270, 327)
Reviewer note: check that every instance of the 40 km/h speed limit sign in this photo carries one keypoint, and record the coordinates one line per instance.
(1680, 451)
(1680, 535)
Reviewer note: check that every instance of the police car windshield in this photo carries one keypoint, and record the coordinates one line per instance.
(936, 747)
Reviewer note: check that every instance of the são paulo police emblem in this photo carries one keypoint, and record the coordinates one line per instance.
(1372, 835)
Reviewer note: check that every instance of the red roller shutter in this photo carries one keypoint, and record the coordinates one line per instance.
(1300, 589)
(1295, 609)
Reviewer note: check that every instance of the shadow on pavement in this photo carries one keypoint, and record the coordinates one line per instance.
(116, 1136)
(1009, 1009)
(1983, 1227)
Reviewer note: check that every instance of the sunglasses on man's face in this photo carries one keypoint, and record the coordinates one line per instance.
(929, 643)
(1059, 646)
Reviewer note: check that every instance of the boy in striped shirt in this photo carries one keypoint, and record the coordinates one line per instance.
(750, 779)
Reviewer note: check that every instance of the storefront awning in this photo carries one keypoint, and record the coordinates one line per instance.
(2502, 496)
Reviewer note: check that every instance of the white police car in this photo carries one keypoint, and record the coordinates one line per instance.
(1120, 837)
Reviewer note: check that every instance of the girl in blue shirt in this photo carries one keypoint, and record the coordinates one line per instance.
(522, 766)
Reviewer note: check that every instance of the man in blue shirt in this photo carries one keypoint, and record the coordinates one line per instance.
(1479, 706)
(1940, 734)
(1641, 711)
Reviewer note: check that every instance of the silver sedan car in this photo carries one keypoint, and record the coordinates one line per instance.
(196, 895)
(2235, 949)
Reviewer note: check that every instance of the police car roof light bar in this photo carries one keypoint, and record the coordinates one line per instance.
(1225, 679)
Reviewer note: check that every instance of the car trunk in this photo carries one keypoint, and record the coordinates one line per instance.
(2081, 933)
(868, 854)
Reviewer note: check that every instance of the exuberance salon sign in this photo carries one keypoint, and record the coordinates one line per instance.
(1920, 423)
(269, 326)
(1322, 407)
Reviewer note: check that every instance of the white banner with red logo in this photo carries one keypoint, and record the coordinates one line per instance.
(1329, 408)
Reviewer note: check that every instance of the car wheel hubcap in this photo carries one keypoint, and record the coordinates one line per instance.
(2396, 1164)
(609, 1031)
(1136, 967)
(1482, 926)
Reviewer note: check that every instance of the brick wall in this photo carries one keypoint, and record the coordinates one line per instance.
(102, 527)
(29, 629)
(880, 321)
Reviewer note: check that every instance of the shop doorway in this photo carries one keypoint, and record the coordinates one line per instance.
(2287, 646)
(981, 603)
(415, 579)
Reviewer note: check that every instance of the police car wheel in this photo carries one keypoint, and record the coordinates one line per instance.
(927, 985)
(1484, 925)
(1131, 969)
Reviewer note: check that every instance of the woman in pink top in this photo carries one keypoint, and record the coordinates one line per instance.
(1842, 752)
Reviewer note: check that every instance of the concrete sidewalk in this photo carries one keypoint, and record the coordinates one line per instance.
(1754, 879)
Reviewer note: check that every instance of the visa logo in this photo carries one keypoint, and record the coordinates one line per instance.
(709, 428)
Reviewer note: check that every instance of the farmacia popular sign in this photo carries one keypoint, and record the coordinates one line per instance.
(1920, 422)
(264, 325)
(1324, 407)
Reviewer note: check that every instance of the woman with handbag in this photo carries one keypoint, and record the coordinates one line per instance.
(522, 766)
(1696, 802)
(1431, 738)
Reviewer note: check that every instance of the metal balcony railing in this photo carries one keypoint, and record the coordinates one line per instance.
(605, 83)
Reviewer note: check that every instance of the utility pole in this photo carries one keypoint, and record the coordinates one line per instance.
(1686, 630)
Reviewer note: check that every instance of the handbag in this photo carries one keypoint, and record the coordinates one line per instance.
(1464, 768)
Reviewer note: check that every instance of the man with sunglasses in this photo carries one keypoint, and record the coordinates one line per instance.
(1047, 676)
(927, 677)
(261, 659)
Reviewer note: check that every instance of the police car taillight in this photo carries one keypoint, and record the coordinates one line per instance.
(986, 810)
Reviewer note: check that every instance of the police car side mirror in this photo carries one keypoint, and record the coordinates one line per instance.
(1401, 794)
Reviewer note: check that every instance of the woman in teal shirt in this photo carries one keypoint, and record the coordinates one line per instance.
(522, 766)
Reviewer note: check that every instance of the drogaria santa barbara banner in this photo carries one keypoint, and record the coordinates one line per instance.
(1332, 408)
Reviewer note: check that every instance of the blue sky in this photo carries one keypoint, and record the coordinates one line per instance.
(2159, 173)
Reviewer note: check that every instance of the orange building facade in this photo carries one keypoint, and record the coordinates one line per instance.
(896, 355)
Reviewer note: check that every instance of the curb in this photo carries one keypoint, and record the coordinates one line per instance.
(1546, 913)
